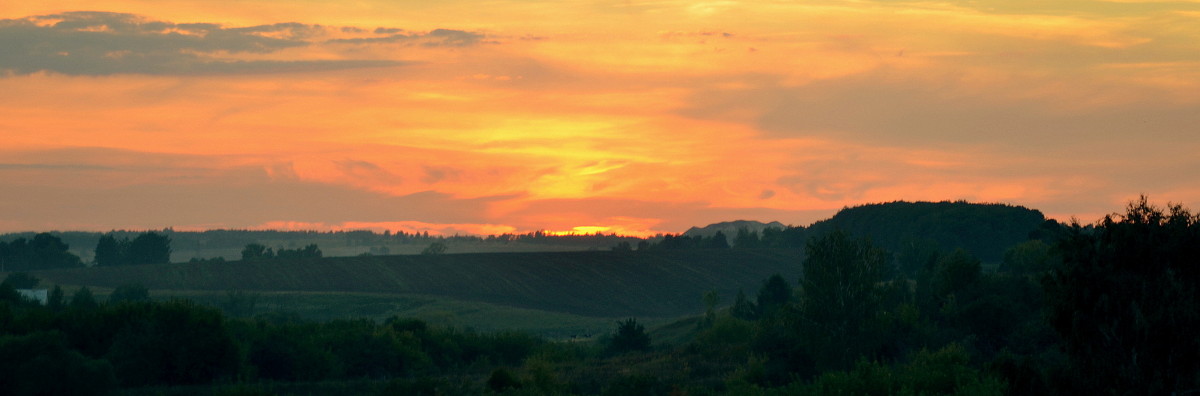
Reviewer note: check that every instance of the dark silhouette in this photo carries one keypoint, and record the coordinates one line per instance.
(44, 251)
(630, 336)
(1126, 298)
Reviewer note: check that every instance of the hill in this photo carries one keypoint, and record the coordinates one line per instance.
(602, 284)
(730, 228)
(985, 230)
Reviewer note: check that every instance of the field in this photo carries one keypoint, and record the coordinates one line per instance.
(558, 294)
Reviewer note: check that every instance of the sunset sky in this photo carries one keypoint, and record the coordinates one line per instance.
(634, 117)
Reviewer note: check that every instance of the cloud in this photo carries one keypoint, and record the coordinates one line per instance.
(106, 43)
(232, 198)
(435, 38)
(904, 111)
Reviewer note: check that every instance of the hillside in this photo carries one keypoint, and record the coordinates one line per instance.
(730, 228)
(605, 284)
(985, 230)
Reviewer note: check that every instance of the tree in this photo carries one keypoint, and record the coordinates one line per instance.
(746, 239)
(434, 249)
(1126, 301)
(111, 252)
(49, 251)
(630, 336)
(256, 251)
(21, 280)
(743, 308)
(840, 281)
(955, 272)
(42, 363)
(774, 294)
(57, 300)
(711, 300)
(150, 248)
(1032, 257)
(842, 296)
(718, 241)
(43, 251)
(502, 380)
(83, 299)
(129, 292)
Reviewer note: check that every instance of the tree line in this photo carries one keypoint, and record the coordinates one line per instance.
(1108, 308)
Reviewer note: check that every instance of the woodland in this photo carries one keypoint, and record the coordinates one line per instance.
(901, 298)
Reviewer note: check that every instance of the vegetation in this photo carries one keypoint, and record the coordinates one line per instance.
(43, 251)
(602, 283)
(1109, 308)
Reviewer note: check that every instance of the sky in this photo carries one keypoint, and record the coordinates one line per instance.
(634, 117)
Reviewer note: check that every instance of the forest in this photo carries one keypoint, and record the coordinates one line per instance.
(883, 299)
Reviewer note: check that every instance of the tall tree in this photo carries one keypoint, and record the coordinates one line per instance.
(840, 281)
(1126, 300)
(842, 296)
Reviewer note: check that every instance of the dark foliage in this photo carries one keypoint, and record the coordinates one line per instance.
(131, 292)
(146, 248)
(1126, 301)
(630, 336)
(44, 251)
(984, 230)
(774, 294)
(21, 280)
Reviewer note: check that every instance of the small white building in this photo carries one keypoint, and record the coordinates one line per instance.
(42, 296)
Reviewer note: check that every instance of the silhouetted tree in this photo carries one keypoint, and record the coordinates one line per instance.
(21, 280)
(746, 239)
(150, 248)
(842, 293)
(1126, 300)
(502, 380)
(434, 249)
(57, 300)
(1032, 257)
(711, 300)
(129, 292)
(111, 252)
(83, 299)
(43, 251)
(630, 336)
(257, 251)
(718, 241)
(42, 363)
(774, 294)
(742, 307)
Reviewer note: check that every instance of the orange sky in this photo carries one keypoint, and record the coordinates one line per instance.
(618, 116)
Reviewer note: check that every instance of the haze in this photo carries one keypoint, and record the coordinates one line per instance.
(633, 117)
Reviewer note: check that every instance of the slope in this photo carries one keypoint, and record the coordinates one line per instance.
(603, 284)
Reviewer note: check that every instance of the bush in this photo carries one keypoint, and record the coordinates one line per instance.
(630, 336)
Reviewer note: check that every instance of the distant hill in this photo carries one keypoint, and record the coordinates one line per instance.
(985, 230)
(730, 228)
(602, 283)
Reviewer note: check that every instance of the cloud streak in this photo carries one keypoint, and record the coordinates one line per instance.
(105, 43)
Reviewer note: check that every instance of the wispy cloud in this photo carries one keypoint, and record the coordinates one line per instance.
(104, 43)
